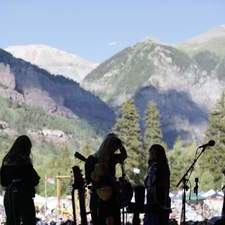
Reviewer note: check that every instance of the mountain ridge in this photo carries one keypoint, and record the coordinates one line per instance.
(152, 71)
(212, 40)
(56, 94)
(53, 60)
(167, 68)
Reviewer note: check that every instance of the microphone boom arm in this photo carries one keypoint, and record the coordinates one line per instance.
(184, 180)
(191, 166)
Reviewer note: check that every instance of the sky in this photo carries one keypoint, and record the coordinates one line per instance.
(97, 29)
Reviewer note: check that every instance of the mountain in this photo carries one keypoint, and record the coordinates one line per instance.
(184, 87)
(212, 41)
(23, 82)
(57, 114)
(185, 81)
(53, 60)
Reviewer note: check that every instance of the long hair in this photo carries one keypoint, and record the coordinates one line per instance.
(157, 155)
(19, 153)
(110, 144)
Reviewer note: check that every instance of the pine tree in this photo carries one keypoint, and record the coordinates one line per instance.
(152, 132)
(180, 158)
(127, 128)
(60, 164)
(176, 163)
(213, 161)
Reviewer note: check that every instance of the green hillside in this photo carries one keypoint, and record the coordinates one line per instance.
(49, 156)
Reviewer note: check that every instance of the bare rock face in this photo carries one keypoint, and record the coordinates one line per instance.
(37, 97)
(7, 77)
(11, 94)
(22, 81)
(56, 137)
(8, 84)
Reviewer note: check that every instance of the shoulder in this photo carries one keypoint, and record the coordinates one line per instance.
(153, 168)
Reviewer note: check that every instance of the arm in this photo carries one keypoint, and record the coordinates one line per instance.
(28, 175)
(3, 177)
(151, 184)
(160, 188)
(123, 152)
(35, 177)
(120, 157)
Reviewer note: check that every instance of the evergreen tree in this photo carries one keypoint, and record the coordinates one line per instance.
(59, 164)
(176, 164)
(153, 133)
(127, 128)
(213, 162)
(180, 158)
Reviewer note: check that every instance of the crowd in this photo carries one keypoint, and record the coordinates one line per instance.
(207, 209)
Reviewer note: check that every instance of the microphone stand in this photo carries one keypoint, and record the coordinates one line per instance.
(123, 176)
(184, 181)
(196, 188)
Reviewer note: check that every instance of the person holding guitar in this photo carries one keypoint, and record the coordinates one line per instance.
(100, 170)
(19, 179)
(157, 184)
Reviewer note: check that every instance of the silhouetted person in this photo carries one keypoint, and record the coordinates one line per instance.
(19, 179)
(157, 184)
(100, 169)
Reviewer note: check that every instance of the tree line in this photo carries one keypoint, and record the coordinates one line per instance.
(209, 168)
(137, 141)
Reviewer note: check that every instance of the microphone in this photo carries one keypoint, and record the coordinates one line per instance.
(196, 186)
(210, 143)
(79, 156)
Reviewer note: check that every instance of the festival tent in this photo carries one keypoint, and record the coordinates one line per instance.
(39, 200)
(1, 200)
(209, 193)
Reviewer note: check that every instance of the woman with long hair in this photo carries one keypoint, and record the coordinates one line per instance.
(157, 183)
(19, 179)
(100, 170)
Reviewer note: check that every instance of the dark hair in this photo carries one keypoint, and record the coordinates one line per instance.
(20, 151)
(157, 154)
(110, 144)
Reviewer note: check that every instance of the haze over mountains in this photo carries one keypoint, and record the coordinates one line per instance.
(27, 83)
(185, 81)
(184, 86)
(213, 41)
(54, 60)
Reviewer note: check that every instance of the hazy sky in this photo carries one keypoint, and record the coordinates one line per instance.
(97, 29)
